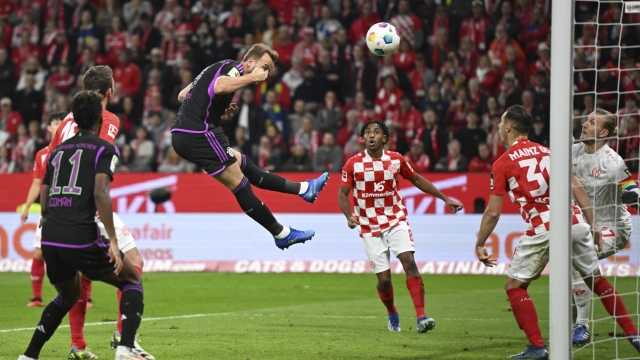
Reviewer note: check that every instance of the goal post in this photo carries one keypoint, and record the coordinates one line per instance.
(561, 112)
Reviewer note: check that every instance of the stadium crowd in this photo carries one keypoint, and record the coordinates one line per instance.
(459, 64)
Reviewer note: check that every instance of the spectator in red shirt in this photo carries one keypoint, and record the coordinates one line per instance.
(285, 9)
(405, 57)
(388, 98)
(498, 47)
(284, 46)
(543, 63)
(486, 74)
(20, 54)
(416, 157)
(408, 25)
(362, 24)
(440, 50)
(115, 41)
(475, 27)
(515, 65)
(180, 24)
(407, 119)
(60, 51)
(127, 74)
(535, 32)
(237, 25)
(27, 26)
(309, 49)
(9, 119)
(62, 80)
(468, 57)
(420, 77)
(481, 163)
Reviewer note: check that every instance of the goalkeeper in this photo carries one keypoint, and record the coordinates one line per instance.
(610, 188)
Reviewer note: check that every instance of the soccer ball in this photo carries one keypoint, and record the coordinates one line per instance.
(383, 39)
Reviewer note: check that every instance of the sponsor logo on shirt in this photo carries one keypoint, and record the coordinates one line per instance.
(393, 169)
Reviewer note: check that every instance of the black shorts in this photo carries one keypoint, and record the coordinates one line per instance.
(211, 151)
(64, 261)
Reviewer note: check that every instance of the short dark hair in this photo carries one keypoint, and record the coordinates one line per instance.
(385, 129)
(98, 78)
(87, 109)
(258, 50)
(519, 117)
(57, 115)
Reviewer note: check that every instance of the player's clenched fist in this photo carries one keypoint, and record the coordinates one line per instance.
(259, 75)
(352, 222)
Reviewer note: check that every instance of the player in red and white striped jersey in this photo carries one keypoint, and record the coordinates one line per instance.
(381, 218)
(522, 172)
(37, 264)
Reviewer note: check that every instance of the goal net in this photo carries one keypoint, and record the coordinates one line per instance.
(606, 76)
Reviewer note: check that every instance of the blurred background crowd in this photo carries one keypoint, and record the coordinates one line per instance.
(459, 65)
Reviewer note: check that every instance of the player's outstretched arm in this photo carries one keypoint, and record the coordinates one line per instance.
(345, 206)
(105, 209)
(489, 221)
(230, 84)
(183, 92)
(427, 187)
(582, 199)
(34, 192)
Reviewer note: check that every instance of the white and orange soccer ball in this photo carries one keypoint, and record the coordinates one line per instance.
(383, 39)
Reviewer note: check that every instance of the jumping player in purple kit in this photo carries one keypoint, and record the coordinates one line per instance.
(198, 137)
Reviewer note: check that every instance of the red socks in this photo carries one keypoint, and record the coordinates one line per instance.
(387, 300)
(416, 289)
(77, 316)
(119, 295)
(37, 274)
(614, 305)
(525, 314)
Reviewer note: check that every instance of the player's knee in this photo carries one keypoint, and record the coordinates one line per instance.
(37, 254)
(513, 284)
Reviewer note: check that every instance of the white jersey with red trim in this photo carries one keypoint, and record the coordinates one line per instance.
(600, 173)
(377, 202)
(522, 172)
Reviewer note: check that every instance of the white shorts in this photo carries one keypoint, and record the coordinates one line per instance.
(37, 238)
(125, 239)
(398, 239)
(532, 254)
(614, 239)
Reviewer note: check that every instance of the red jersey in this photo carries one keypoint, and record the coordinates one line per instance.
(377, 203)
(39, 163)
(68, 128)
(522, 172)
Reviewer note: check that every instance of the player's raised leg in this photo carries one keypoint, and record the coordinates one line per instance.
(308, 190)
(233, 178)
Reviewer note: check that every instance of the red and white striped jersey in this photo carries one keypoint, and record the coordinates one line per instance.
(523, 173)
(377, 203)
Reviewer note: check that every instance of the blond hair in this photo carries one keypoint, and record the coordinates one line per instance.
(610, 122)
(258, 50)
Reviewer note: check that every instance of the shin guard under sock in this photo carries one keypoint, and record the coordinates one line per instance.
(255, 208)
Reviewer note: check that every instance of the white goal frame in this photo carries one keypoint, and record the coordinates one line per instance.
(561, 110)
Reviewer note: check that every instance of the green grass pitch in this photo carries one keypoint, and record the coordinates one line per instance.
(304, 316)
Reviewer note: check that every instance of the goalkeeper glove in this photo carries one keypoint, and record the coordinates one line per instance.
(631, 198)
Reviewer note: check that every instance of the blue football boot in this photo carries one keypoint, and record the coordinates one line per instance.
(294, 237)
(315, 186)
